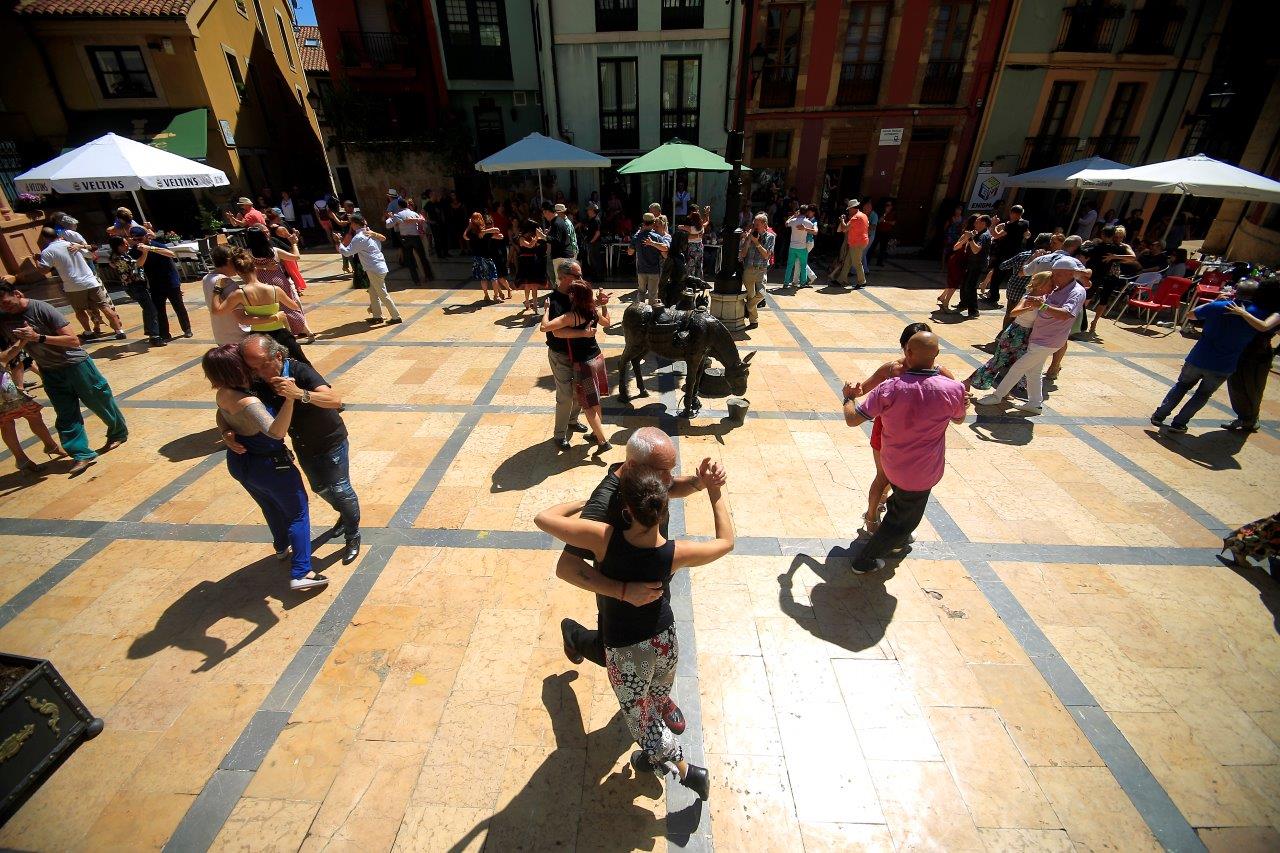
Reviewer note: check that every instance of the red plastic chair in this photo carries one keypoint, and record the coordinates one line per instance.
(1167, 297)
(1202, 294)
(1192, 266)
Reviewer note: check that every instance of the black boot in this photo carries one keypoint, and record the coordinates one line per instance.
(351, 550)
(697, 779)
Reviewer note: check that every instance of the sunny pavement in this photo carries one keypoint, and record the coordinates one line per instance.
(422, 702)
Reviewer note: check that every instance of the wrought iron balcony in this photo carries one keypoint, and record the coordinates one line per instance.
(678, 124)
(1089, 27)
(1040, 152)
(778, 86)
(620, 131)
(1155, 29)
(361, 49)
(1122, 149)
(859, 83)
(682, 14)
(941, 82)
(616, 16)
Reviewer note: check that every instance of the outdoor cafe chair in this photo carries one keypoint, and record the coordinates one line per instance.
(1138, 286)
(1167, 297)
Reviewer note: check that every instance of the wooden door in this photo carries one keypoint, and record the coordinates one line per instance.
(916, 190)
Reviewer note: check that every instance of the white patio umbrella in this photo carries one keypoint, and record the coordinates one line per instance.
(1063, 176)
(1199, 176)
(537, 152)
(118, 164)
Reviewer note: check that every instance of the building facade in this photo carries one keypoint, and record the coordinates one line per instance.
(621, 77)
(1130, 81)
(869, 98)
(93, 66)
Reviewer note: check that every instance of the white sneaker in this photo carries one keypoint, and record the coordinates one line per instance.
(990, 400)
(308, 583)
(1029, 409)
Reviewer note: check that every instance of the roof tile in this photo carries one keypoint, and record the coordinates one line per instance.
(313, 58)
(105, 8)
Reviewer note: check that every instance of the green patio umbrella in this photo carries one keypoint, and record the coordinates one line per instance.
(675, 156)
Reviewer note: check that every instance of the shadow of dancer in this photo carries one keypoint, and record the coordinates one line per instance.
(574, 800)
(241, 595)
(1215, 450)
(846, 610)
(197, 445)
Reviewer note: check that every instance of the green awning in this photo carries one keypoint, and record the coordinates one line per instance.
(677, 155)
(187, 135)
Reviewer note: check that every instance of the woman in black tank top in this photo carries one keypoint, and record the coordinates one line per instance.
(641, 650)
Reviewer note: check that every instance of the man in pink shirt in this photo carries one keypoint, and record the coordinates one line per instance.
(857, 234)
(249, 215)
(915, 409)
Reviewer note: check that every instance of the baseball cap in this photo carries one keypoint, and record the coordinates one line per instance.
(244, 200)
(560, 208)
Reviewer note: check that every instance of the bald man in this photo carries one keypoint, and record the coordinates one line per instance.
(650, 448)
(915, 409)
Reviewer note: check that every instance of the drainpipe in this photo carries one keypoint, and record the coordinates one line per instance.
(728, 65)
(555, 69)
(537, 57)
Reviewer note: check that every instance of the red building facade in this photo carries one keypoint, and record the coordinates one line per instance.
(869, 98)
(387, 57)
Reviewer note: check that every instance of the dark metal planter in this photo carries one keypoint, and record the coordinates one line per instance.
(41, 723)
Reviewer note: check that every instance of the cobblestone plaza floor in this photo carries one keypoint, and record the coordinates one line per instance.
(1058, 664)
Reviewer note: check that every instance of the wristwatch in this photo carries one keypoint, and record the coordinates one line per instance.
(306, 396)
(41, 339)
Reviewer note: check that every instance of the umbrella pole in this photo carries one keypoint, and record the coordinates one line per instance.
(540, 198)
(1164, 238)
(1075, 211)
(137, 206)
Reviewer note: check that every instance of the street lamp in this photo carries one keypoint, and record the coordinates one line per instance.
(758, 58)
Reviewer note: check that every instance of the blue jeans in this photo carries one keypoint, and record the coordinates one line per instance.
(330, 478)
(141, 294)
(283, 500)
(1208, 382)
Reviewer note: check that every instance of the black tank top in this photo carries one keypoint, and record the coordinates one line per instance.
(620, 623)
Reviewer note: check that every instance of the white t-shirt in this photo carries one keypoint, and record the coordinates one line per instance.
(1084, 225)
(72, 266)
(286, 210)
(682, 203)
(226, 328)
(405, 221)
(799, 236)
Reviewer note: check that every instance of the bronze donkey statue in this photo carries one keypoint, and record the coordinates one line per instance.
(680, 335)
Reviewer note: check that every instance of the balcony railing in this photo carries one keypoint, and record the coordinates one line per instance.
(682, 14)
(620, 131)
(778, 86)
(859, 83)
(616, 16)
(1039, 152)
(1089, 27)
(1119, 148)
(941, 82)
(678, 124)
(1155, 30)
(362, 49)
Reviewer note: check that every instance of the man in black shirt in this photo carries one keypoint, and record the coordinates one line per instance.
(1009, 238)
(592, 250)
(651, 448)
(567, 408)
(318, 433)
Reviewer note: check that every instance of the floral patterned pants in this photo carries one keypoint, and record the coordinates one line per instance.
(641, 676)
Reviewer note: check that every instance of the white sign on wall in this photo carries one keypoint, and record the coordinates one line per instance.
(988, 189)
(890, 136)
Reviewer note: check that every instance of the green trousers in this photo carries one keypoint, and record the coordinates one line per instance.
(82, 384)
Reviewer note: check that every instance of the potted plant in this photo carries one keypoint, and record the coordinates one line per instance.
(29, 203)
(41, 723)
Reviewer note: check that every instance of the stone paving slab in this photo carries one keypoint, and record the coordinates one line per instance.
(1058, 664)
